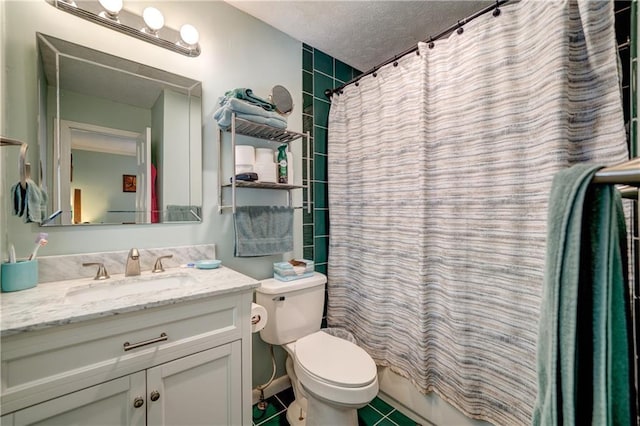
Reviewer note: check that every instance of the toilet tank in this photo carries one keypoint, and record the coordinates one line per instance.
(294, 308)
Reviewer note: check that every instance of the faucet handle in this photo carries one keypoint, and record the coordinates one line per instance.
(101, 274)
(134, 254)
(157, 267)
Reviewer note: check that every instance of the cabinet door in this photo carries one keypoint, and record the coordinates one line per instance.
(106, 404)
(199, 389)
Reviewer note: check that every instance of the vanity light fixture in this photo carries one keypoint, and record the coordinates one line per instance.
(189, 35)
(148, 27)
(153, 19)
(111, 8)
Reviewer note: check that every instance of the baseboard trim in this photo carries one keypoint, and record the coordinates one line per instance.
(278, 385)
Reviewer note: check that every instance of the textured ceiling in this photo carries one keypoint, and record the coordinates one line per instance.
(361, 33)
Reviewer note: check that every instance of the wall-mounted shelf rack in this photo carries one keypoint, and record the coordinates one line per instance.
(265, 185)
(263, 132)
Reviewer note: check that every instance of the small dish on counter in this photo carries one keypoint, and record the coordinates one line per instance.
(207, 264)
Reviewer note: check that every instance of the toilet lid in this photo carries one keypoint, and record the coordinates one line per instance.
(334, 360)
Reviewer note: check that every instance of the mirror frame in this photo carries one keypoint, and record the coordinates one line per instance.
(52, 52)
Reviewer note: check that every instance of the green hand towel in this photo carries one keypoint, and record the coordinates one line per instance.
(263, 230)
(29, 202)
(584, 346)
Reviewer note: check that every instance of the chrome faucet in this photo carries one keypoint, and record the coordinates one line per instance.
(133, 263)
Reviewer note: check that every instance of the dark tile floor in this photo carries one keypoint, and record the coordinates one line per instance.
(377, 413)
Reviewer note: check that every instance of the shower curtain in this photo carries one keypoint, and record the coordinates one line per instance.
(440, 169)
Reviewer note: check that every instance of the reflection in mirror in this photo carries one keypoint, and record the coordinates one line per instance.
(119, 142)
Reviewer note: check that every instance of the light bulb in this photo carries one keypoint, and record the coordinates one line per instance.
(153, 19)
(189, 34)
(113, 7)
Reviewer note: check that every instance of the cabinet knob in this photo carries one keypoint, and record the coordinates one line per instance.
(155, 395)
(138, 402)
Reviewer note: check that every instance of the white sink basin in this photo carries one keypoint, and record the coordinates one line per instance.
(100, 290)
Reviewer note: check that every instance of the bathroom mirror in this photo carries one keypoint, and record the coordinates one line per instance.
(119, 142)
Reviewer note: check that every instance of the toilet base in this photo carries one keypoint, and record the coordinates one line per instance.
(296, 414)
(317, 411)
(321, 413)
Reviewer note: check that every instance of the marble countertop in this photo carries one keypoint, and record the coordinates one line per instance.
(71, 301)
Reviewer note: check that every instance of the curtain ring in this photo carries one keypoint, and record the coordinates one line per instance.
(431, 43)
(357, 83)
(460, 30)
(496, 11)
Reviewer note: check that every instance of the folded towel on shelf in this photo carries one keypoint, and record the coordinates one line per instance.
(223, 116)
(584, 344)
(247, 95)
(29, 202)
(263, 230)
(241, 106)
(248, 112)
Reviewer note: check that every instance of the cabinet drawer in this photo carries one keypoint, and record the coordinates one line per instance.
(44, 364)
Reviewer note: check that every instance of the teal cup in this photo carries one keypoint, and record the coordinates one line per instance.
(19, 276)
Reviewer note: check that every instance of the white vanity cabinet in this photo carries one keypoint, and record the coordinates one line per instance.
(197, 390)
(187, 363)
(108, 403)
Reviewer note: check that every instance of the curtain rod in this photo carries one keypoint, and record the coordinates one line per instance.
(457, 26)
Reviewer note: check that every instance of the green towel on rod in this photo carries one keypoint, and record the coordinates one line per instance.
(584, 343)
(263, 230)
(29, 202)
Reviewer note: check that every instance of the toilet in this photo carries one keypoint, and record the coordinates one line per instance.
(331, 376)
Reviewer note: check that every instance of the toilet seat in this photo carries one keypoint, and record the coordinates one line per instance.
(335, 361)
(335, 369)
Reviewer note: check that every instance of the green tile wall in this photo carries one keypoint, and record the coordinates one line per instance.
(319, 72)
